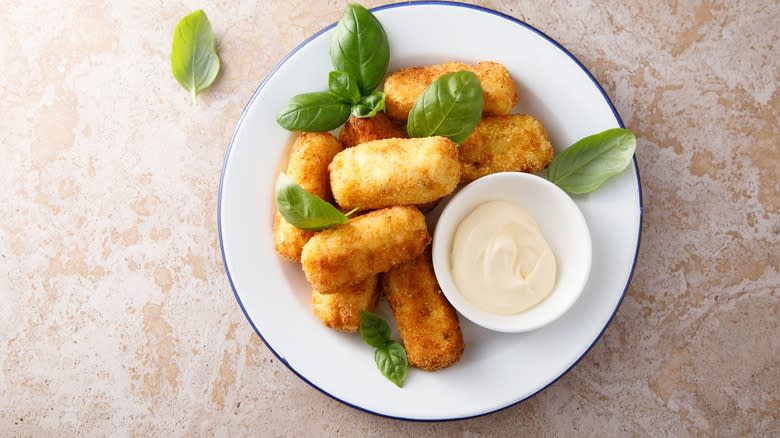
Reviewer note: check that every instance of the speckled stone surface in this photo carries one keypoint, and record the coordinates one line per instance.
(116, 317)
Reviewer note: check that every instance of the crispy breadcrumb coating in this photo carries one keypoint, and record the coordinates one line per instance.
(427, 322)
(517, 142)
(308, 166)
(395, 171)
(369, 244)
(341, 309)
(362, 130)
(403, 87)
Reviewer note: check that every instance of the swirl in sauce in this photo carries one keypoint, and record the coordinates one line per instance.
(500, 260)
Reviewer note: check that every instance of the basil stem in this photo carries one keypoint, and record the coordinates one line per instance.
(450, 107)
(304, 210)
(588, 163)
(360, 47)
(194, 60)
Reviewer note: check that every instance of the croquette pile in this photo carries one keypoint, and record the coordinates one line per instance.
(393, 179)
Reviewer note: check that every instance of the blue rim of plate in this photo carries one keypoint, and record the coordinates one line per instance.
(393, 6)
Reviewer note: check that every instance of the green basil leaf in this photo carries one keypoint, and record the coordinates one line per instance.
(342, 85)
(360, 47)
(374, 330)
(304, 210)
(392, 362)
(313, 112)
(369, 105)
(450, 107)
(194, 59)
(588, 163)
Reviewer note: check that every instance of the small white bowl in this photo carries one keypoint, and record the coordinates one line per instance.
(562, 225)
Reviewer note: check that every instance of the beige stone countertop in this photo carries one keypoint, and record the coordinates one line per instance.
(116, 316)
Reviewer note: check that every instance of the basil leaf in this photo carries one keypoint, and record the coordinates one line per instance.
(369, 105)
(373, 329)
(304, 210)
(392, 362)
(194, 59)
(588, 163)
(360, 48)
(342, 85)
(313, 112)
(450, 107)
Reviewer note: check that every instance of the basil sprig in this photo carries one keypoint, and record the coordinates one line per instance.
(194, 59)
(389, 355)
(303, 209)
(360, 53)
(360, 47)
(588, 163)
(450, 107)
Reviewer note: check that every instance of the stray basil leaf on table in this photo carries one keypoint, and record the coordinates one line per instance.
(194, 59)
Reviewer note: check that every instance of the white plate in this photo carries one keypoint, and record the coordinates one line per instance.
(497, 370)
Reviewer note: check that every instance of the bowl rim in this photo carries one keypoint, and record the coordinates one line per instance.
(447, 223)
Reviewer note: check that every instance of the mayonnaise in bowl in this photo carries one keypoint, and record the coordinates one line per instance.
(511, 252)
(500, 260)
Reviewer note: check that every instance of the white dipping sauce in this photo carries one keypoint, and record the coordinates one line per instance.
(500, 260)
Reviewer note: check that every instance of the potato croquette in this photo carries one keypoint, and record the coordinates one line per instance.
(309, 158)
(308, 166)
(362, 130)
(395, 171)
(289, 239)
(427, 322)
(367, 245)
(516, 143)
(403, 87)
(341, 309)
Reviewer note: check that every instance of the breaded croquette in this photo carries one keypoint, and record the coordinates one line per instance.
(516, 142)
(308, 166)
(403, 87)
(362, 130)
(395, 171)
(289, 239)
(341, 309)
(309, 158)
(367, 245)
(427, 322)
(359, 130)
